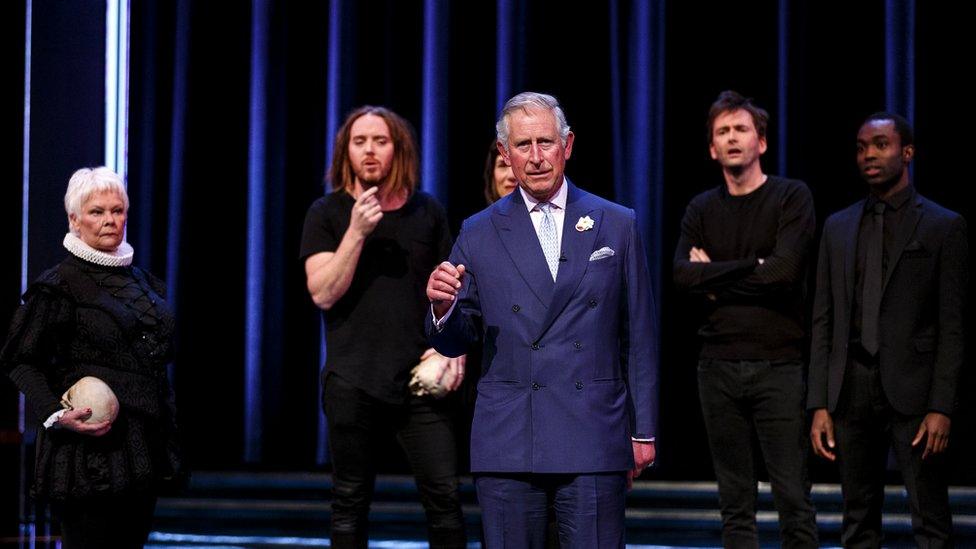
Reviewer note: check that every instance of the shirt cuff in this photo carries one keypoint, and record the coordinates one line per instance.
(635, 439)
(439, 322)
(53, 419)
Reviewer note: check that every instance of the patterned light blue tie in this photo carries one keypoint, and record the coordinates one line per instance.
(548, 238)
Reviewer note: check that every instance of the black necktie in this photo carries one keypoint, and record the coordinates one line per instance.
(871, 297)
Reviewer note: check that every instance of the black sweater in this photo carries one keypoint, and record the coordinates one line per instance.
(753, 310)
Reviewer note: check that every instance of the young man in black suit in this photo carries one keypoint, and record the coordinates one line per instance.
(887, 339)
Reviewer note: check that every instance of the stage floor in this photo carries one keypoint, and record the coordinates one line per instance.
(292, 510)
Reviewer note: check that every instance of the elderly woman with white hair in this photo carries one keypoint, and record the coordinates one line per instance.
(89, 348)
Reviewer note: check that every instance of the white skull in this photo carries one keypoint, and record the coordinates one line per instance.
(91, 392)
(432, 377)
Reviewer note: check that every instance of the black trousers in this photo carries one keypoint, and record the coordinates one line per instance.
(743, 399)
(865, 427)
(362, 430)
(110, 522)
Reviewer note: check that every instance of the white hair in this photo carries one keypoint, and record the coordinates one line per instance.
(530, 100)
(88, 181)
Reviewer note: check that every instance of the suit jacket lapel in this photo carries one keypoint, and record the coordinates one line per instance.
(905, 232)
(515, 229)
(849, 230)
(576, 247)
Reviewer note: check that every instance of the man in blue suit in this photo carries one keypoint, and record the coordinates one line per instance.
(554, 282)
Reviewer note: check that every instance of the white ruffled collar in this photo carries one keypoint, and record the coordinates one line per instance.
(121, 257)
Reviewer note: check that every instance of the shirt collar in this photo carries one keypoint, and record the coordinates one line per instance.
(558, 200)
(895, 202)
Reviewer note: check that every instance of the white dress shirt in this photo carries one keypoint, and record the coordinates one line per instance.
(558, 202)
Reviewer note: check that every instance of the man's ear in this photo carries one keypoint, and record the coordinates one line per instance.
(502, 151)
(908, 153)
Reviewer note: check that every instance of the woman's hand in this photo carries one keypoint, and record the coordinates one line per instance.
(74, 420)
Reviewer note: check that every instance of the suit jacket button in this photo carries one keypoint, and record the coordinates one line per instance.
(592, 303)
(535, 346)
(516, 308)
(535, 386)
(579, 385)
(577, 344)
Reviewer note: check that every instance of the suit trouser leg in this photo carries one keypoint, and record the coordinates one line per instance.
(728, 423)
(781, 426)
(513, 510)
(925, 482)
(427, 437)
(860, 431)
(590, 510)
(353, 426)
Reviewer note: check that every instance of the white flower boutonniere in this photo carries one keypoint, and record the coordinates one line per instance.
(585, 223)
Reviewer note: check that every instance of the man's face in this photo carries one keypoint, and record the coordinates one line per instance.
(370, 150)
(881, 159)
(535, 152)
(735, 142)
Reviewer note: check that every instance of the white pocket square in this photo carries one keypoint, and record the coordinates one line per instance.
(602, 253)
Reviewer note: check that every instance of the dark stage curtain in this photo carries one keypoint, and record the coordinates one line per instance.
(12, 41)
(234, 105)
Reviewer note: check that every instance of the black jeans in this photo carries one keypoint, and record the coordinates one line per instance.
(743, 399)
(865, 426)
(361, 431)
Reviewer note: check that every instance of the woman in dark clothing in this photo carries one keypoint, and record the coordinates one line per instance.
(94, 314)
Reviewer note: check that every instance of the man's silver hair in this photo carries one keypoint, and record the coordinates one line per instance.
(88, 181)
(524, 102)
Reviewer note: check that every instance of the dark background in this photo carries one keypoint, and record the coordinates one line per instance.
(819, 68)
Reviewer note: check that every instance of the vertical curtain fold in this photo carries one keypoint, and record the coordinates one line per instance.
(782, 84)
(177, 138)
(900, 57)
(433, 128)
(333, 115)
(142, 175)
(256, 223)
(506, 44)
(637, 109)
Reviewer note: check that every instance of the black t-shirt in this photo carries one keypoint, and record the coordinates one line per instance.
(752, 310)
(375, 333)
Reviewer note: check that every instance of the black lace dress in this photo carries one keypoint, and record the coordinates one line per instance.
(81, 319)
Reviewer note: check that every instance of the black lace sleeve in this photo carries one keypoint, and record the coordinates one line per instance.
(157, 284)
(29, 354)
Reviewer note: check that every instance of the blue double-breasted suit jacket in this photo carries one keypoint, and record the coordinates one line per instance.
(569, 370)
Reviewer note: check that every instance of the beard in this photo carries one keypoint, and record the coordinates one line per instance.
(735, 170)
(371, 178)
